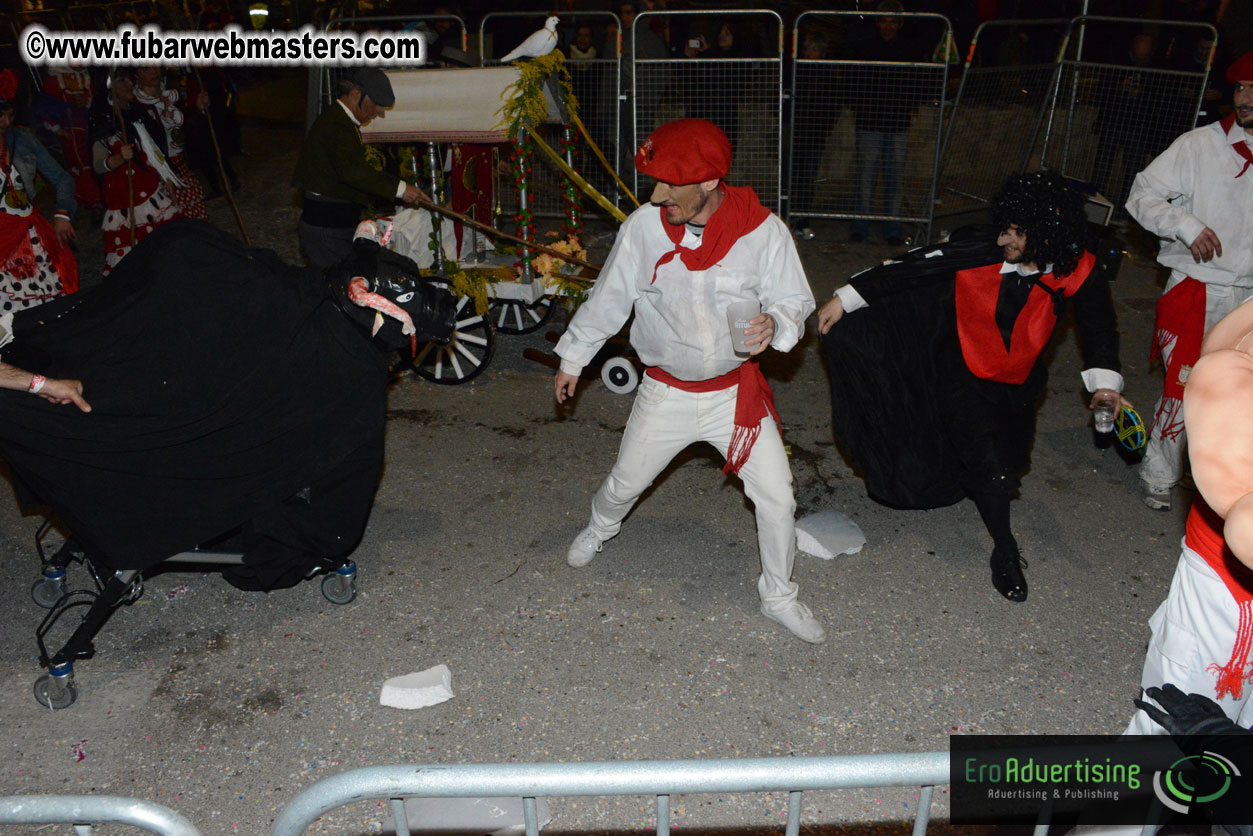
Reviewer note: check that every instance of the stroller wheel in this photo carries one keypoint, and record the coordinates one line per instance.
(619, 376)
(340, 586)
(48, 590)
(55, 692)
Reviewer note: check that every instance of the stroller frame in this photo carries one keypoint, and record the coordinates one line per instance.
(56, 689)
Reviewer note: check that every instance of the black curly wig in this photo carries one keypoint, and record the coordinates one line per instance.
(1051, 215)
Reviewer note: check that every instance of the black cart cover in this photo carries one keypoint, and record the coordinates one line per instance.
(227, 390)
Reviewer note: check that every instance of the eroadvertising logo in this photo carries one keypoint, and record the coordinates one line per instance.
(1105, 780)
(1195, 780)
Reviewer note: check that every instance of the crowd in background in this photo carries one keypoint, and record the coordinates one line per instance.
(84, 118)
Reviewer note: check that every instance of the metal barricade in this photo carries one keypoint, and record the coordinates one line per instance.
(731, 73)
(660, 779)
(1005, 93)
(858, 118)
(101, 16)
(595, 80)
(322, 80)
(83, 812)
(1127, 88)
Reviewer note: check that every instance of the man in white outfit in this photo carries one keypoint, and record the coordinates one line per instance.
(1197, 196)
(678, 263)
(1203, 632)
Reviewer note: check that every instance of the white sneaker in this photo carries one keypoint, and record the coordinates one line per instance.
(586, 546)
(1156, 498)
(800, 621)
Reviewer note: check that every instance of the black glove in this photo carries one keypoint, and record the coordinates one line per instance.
(1187, 714)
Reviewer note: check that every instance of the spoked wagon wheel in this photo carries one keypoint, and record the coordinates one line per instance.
(511, 316)
(466, 356)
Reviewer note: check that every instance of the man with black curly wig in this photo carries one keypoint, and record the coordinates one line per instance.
(936, 377)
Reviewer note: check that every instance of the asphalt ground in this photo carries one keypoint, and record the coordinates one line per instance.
(223, 705)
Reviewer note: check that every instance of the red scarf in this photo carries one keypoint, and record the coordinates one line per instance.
(1203, 535)
(1241, 147)
(740, 213)
(753, 402)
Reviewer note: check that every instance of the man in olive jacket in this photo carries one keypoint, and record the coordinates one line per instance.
(335, 180)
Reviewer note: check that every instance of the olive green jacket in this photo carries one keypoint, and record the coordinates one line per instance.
(332, 162)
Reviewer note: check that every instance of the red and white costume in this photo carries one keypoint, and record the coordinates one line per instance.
(166, 106)
(73, 88)
(144, 198)
(1202, 180)
(35, 267)
(680, 327)
(1203, 630)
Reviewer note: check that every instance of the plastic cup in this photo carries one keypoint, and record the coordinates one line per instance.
(1103, 415)
(739, 315)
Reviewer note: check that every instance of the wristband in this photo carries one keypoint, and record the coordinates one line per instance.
(36, 383)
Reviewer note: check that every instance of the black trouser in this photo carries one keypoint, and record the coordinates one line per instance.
(991, 426)
(326, 229)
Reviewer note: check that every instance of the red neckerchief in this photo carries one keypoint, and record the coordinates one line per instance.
(1203, 534)
(1241, 147)
(740, 213)
(753, 402)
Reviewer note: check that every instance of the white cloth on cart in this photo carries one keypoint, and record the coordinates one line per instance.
(411, 237)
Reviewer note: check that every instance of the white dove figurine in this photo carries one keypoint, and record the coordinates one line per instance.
(155, 158)
(540, 42)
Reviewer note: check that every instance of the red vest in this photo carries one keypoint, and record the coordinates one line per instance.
(143, 181)
(982, 345)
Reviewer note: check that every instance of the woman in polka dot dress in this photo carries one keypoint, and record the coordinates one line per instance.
(165, 104)
(36, 263)
(135, 198)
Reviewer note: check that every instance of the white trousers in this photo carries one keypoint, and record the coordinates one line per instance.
(1163, 457)
(663, 421)
(1195, 627)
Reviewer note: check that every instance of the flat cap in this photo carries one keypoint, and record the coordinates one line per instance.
(374, 83)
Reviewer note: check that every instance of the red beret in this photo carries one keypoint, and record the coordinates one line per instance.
(1242, 70)
(685, 151)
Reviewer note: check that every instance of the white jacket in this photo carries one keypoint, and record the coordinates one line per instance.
(680, 320)
(1190, 186)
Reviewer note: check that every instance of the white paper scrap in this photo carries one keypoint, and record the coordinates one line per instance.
(418, 690)
(826, 534)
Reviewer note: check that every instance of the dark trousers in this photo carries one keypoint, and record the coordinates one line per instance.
(325, 246)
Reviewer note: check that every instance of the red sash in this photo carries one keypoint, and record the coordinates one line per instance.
(982, 346)
(753, 402)
(1203, 534)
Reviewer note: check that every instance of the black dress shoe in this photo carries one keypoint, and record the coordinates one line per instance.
(1007, 575)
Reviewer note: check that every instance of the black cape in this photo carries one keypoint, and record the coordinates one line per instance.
(922, 429)
(227, 391)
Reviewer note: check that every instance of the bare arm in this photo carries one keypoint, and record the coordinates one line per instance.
(50, 389)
